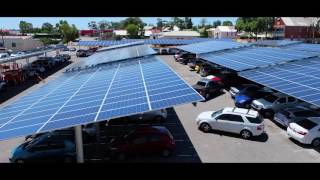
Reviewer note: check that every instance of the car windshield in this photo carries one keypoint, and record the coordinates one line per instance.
(307, 124)
(270, 98)
(216, 113)
(201, 83)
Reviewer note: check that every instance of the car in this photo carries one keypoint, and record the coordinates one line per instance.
(193, 62)
(173, 51)
(164, 51)
(215, 79)
(72, 49)
(207, 69)
(185, 57)
(81, 53)
(273, 103)
(4, 55)
(177, 55)
(48, 147)
(241, 121)
(207, 87)
(59, 59)
(243, 87)
(20, 53)
(66, 57)
(3, 86)
(294, 114)
(157, 50)
(245, 97)
(65, 49)
(306, 131)
(145, 140)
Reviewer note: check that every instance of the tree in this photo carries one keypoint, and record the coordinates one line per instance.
(160, 23)
(203, 22)
(178, 22)
(203, 32)
(47, 27)
(25, 27)
(69, 33)
(93, 25)
(188, 23)
(131, 20)
(227, 23)
(103, 25)
(255, 24)
(216, 23)
(132, 30)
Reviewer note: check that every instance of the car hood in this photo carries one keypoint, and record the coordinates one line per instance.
(242, 98)
(205, 115)
(198, 87)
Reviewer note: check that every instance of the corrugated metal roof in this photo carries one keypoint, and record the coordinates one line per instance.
(298, 21)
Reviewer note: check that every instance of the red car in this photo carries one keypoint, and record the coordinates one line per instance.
(148, 140)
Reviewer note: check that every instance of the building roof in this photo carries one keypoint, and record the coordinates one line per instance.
(181, 33)
(226, 29)
(148, 27)
(17, 37)
(298, 21)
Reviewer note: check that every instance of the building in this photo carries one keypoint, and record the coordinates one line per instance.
(152, 33)
(180, 34)
(294, 28)
(20, 43)
(120, 32)
(222, 32)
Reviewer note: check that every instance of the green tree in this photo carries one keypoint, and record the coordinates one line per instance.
(160, 23)
(69, 33)
(132, 30)
(25, 27)
(93, 25)
(188, 23)
(47, 27)
(133, 21)
(227, 23)
(104, 25)
(216, 23)
(203, 22)
(203, 32)
(178, 22)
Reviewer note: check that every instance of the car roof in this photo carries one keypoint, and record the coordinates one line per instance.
(241, 111)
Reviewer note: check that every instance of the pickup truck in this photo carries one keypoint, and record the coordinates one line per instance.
(206, 87)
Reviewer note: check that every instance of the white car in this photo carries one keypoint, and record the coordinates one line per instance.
(272, 103)
(241, 121)
(306, 131)
(4, 55)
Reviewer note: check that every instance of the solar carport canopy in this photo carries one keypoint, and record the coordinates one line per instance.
(305, 47)
(276, 43)
(253, 57)
(95, 94)
(211, 46)
(300, 79)
(117, 54)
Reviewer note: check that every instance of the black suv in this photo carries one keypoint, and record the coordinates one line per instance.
(207, 87)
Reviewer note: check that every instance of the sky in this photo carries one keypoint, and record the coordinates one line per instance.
(82, 22)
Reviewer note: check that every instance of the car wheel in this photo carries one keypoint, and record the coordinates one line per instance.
(166, 153)
(245, 134)
(316, 142)
(205, 127)
(68, 159)
(159, 119)
(247, 106)
(20, 161)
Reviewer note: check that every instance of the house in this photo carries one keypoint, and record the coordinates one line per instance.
(222, 32)
(120, 32)
(295, 28)
(152, 33)
(180, 34)
(20, 43)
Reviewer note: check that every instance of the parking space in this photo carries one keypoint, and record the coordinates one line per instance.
(275, 146)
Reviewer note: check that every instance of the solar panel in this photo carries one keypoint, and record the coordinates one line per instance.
(305, 47)
(118, 54)
(96, 94)
(249, 58)
(120, 45)
(276, 43)
(210, 46)
(300, 79)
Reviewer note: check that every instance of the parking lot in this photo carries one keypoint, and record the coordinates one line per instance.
(195, 146)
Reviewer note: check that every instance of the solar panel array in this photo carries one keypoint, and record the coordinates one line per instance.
(305, 47)
(160, 41)
(116, 55)
(211, 46)
(276, 43)
(300, 79)
(120, 46)
(107, 91)
(249, 58)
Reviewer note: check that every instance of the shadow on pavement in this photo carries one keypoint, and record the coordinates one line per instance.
(262, 138)
(306, 146)
(185, 151)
